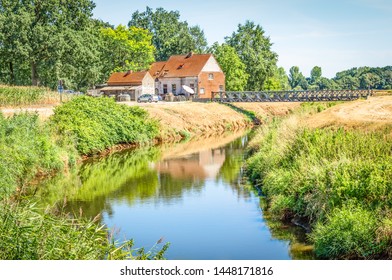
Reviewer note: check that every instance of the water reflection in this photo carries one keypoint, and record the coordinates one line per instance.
(190, 193)
(162, 173)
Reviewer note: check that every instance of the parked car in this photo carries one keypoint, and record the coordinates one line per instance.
(148, 98)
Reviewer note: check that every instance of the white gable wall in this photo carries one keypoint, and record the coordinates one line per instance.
(211, 66)
(147, 85)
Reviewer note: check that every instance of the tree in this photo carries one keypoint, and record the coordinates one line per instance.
(37, 32)
(254, 50)
(170, 35)
(126, 49)
(315, 74)
(232, 66)
(296, 79)
(279, 81)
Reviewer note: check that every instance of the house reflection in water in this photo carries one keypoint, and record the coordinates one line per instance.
(202, 165)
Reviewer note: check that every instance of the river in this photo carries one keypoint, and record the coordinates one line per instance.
(192, 195)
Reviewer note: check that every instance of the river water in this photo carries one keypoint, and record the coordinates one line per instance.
(192, 195)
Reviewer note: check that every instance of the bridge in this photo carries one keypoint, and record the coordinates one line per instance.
(289, 96)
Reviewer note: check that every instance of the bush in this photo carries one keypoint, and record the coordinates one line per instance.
(99, 123)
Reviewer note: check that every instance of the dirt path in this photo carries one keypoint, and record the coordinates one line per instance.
(44, 112)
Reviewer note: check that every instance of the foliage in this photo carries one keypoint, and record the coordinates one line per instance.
(315, 74)
(170, 35)
(232, 66)
(28, 234)
(126, 49)
(100, 123)
(297, 80)
(311, 173)
(36, 33)
(21, 157)
(279, 80)
(254, 50)
(365, 77)
(355, 78)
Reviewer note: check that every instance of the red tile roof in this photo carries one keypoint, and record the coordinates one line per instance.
(180, 66)
(126, 78)
(156, 68)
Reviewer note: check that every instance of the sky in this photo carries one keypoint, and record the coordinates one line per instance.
(334, 34)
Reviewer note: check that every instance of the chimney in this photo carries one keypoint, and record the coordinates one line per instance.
(128, 72)
(189, 55)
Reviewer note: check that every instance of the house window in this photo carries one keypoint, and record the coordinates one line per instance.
(164, 89)
(210, 76)
(202, 91)
(220, 88)
(174, 88)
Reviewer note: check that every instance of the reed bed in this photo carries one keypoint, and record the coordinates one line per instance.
(12, 96)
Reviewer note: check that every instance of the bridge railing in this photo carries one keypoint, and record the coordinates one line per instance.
(290, 96)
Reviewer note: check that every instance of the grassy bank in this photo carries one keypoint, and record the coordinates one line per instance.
(337, 181)
(29, 149)
(11, 96)
(188, 120)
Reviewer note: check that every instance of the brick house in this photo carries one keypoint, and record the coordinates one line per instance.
(200, 72)
(132, 83)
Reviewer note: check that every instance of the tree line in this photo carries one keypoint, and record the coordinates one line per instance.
(42, 42)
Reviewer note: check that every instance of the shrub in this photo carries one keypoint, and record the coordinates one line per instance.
(100, 123)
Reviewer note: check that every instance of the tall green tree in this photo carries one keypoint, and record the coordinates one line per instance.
(296, 79)
(37, 32)
(232, 66)
(254, 50)
(170, 35)
(279, 80)
(315, 74)
(126, 49)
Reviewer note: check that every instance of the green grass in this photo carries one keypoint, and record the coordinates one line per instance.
(323, 175)
(99, 123)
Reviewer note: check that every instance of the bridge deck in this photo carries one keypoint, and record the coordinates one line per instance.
(290, 96)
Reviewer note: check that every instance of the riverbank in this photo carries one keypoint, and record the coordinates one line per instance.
(331, 172)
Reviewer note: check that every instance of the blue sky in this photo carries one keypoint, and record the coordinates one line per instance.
(335, 35)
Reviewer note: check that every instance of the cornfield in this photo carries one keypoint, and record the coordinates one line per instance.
(20, 95)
